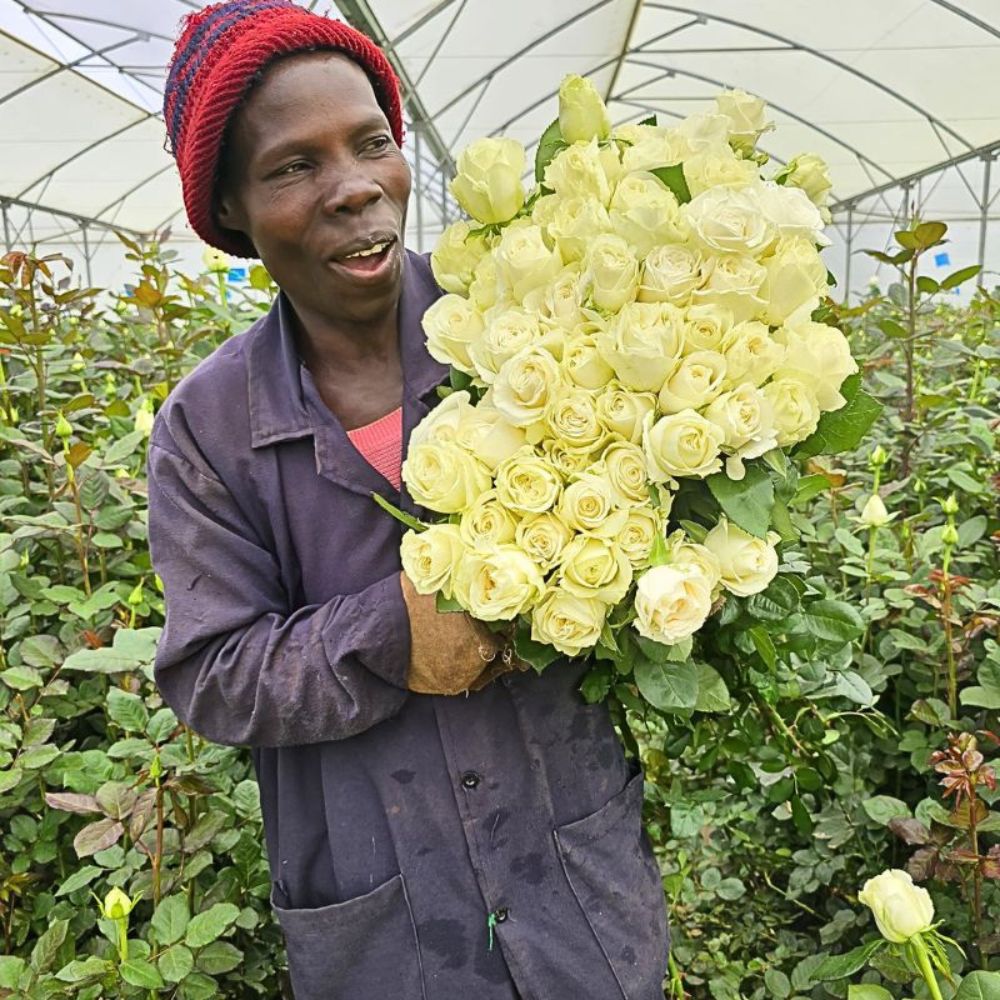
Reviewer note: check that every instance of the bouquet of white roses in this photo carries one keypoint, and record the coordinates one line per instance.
(633, 350)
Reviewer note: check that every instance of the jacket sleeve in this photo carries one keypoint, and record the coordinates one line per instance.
(235, 662)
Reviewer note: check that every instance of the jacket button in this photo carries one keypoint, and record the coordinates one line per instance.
(501, 914)
(470, 779)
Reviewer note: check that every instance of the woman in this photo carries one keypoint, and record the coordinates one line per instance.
(424, 842)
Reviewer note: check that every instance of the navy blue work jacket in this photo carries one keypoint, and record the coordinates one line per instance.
(486, 846)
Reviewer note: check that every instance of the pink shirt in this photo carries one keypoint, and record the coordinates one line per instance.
(381, 445)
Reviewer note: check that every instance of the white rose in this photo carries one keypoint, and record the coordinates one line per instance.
(484, 291)
(653, 147)
(441, 425)
(543, 537)
(611, 272)
(566, 460)
(498, 584)
(751, 354)
(748, 564)
(430, 557)
(595, 568)
(643, 344)
(487, 523)
(444, 477)
(670, 274)
(695, 382)
(623, 412)
(488, 184)
(701, 132)
(587, 503)
(718, 167)
(528, 482)
(901, 909)
(810, 173)
(818, 356)
(623, 467)
(567, 622)
(636, 539)
(584, 365)
(796, 281)
(724, 220)
(683, 553)
(734, 283)
(790, 211)
(744, 416)
(488, 434)
(525, 385)
(575, 222)
(706, 327)
(455, 257)
(671, 603)
(747, 118)
(795, 407)
(581, 170)
(524, 261)
(681, 444)
(507, 332)
(645, 212)
(572, 418)
(559, 302)
(452, 324)
(582, 114)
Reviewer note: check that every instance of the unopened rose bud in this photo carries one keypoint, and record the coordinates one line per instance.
(117, 906)
(582, 114)
(215, 261)
(950, 506)
(878, 457)
(901, 909)
(78, 363)
(949, 534)
(64, 428)
(874, 514)
(136, 597)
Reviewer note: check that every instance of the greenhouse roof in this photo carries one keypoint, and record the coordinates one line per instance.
(889, 93)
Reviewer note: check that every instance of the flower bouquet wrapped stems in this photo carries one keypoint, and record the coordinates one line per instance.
(635, 351)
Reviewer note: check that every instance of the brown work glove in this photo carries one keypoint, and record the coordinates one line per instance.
(450, 653)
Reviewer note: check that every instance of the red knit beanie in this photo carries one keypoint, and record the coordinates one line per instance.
(217, 55)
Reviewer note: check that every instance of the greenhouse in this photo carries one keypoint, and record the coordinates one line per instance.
(500, 499)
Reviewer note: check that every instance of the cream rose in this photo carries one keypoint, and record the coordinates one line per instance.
(441, 425)
(583, 364)
(643, 344)
(525, 385)
(734, 283)
(430, 557)
(645, 213)
(818, 356)
(582, 114)
(901, 909)
(671, 603)
(451, 325)
(670, 274)
(623, 467)
(483, 289)
(744, 416)
(455, 257)
(506, 333)
(488, 434)
(718, 167)
(790, 211)
(567, 622)
(488, 184)
(498, 584)
(751, 354)
(682, 552)
(694, 383)
(611, 272)
(524, 262)
(747, 117)
(636, 539)
(581, 170)
(575, 222)
(558, 303)
(567, 461)
(705, 327)
(795, 408)
(653, 147)
(596, 568)
(701, 132)
(681, 444)
(487, 523)
(572, 418)
(528, 482)
(543, 537)
(444, 477)
(587, 503)
(810, 173)
(795, 283)
(623, 412)
(726, 221)
(747, 564)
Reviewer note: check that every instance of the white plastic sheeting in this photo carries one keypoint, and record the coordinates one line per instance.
(887, 92)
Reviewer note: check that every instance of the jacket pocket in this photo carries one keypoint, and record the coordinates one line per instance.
(361, 949)
(613, 873)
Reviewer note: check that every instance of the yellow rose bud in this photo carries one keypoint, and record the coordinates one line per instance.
(144, 417)
(488, 185)
(681, 444)
(874, 514)
(528, 482)
(672, 603)
(748, 564)
(695, 382)
(117, 906)
(595, 568)
(901, 909)
(582, 114)
(64, 429)
(430, 557)
(567, 622)
(623, 412)
(452, 325)
(487, 523)
(543, 537)
(611, 272)
(455, 257)
(444, 477)
(498, 584)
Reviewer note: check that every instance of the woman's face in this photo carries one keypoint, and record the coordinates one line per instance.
(314, 177)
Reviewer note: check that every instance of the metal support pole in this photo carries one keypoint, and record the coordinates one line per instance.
(850, 251)
(86, 254)
(984, 212)
(419, 186)
(8, 243)
(444, 200)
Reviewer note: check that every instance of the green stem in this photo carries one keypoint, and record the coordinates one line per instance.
(923, 961)
(676, 984)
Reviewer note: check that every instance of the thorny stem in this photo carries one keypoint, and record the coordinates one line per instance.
(977, 877)
(919, 950)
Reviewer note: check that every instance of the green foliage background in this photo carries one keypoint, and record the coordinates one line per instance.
(789, 760)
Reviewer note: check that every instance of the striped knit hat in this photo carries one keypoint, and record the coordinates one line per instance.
(218, 53)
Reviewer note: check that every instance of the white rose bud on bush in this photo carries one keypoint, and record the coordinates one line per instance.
(681, 444)
(528, 482)
(751, 354)
(430, 557)
(747, 117)
(670, 274)
(497, 584)
(595, 568)
(543, 537)
(444, 477)
(582, 114)
(455, 257)
(874, 514)
(672, 603)
(819, 356)
(795, 409)
(524, 261)
(694, 383)
(567, 622)
(452, 324)
(901, 909)
(575, 222)
(612, 272)
(727, 221)
(645, 212)
(747, 564)
(795, 283)
(810, 173)
(507, 332)
(643, 344)
(488, 184)
(623, 412)
(583, 170)
(487, 523)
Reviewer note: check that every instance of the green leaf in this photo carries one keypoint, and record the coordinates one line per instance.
(81, 877)
(777, 984)
(549, 145)
(841, 966)
(957, 278)
(747, 502)
(219, 957)
(987, 693)
(713, 695)
(730, 889)
(415, 524)
(131, 649)
(127, 710)
(929, 234)
(81, 969)
(884, 808)
(842, 430)
(175, 963)
(979, 986)
(668, 687)
(927, 285)
(868, 991)
(673, 177)
(21, 678)
(48, 944)
(596, 683)
(776, 603)
(536, 653)
(138, 972)
(11, 968)
(41, 650)
(213, 923)
(833, 621)
(171, 919)
(764, 645)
